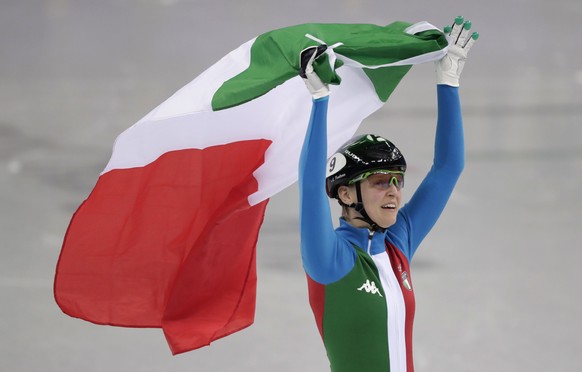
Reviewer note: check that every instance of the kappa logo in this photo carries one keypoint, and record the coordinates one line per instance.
(370, 287)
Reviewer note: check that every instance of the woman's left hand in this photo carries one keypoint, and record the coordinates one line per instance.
(449, 68)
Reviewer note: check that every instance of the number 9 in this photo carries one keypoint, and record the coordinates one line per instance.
(332, 164)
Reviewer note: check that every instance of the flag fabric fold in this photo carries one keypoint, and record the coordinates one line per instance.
(167, 237)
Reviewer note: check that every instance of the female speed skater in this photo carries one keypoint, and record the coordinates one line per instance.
(360, 288)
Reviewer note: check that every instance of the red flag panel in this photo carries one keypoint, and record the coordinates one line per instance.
(169, 244)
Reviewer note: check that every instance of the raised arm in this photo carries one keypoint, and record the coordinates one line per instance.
(323, 260)
(426, 205)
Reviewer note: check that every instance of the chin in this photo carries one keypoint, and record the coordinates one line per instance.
(388, 222)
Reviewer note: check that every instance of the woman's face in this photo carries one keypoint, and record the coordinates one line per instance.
(381, 199)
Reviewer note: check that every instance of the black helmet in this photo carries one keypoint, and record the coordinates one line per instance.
(361, 154)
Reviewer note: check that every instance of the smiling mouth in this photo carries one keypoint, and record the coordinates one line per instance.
(389, 206)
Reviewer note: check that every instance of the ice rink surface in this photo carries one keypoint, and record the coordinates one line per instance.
(498, 282)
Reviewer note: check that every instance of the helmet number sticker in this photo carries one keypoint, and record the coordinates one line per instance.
(336, 163)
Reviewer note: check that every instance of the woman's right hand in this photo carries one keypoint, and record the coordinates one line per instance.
(316, 87)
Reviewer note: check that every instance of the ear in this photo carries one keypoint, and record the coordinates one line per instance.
(347, 194)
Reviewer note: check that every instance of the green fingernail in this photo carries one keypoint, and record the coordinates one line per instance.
(459, 20)
(447, 29)
(467, 25)
(475, 35)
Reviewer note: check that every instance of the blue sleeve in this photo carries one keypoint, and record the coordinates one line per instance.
(325, 257)
(420, 214)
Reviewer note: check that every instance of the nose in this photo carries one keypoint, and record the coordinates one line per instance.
(392, 189)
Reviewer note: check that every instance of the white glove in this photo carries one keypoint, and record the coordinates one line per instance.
(449, 68)
(314, 84)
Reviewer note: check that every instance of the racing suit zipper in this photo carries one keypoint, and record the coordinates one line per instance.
(370, 236)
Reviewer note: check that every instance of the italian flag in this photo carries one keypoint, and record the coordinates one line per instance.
(167, 237)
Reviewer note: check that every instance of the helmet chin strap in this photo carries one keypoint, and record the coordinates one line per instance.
(359, 207)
